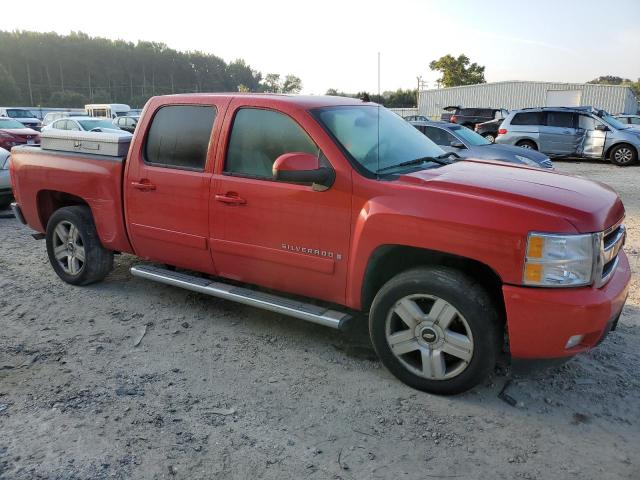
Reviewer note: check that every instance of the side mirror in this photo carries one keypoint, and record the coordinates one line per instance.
(457, 145)
(299, 167)
(602, 128)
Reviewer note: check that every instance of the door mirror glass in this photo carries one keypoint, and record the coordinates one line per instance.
(300, 167)
(457, 144)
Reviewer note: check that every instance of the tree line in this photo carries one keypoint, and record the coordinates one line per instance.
(47, 69)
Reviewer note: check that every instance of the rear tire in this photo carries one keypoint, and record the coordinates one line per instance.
(74, 248)
(527, 144)
(623, 155)
(443, 327)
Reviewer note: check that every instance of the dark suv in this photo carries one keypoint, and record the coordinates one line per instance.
(468, 117)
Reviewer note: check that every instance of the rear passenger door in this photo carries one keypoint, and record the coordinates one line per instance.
(559, 135)
(167, 186)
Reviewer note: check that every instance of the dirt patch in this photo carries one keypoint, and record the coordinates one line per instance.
(219, 390)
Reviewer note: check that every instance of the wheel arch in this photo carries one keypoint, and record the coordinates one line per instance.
(389, 260)
(617, 144)
(527, 139)
(48, 201)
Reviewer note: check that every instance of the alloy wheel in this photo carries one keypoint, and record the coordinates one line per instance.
(68, 248)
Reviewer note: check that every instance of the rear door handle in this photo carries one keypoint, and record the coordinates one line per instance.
(144, 186)
(230, 198)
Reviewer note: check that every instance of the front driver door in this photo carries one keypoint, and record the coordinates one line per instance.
(278, 235)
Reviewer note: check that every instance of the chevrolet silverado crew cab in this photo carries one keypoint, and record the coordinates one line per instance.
(322, 207)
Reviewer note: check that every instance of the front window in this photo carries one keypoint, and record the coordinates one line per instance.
(19, 113)
(8, 124)
(470, 137)
(374, 137)
(89, 125)
(614, 122)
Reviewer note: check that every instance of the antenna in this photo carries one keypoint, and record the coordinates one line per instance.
(378, 146)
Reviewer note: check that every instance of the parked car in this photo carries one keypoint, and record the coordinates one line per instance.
(571, 132)
(416, 118)
(6, 195)
(633, 120)
(50, 117)
(489, 129)
(127, 123)
(344, 202)
(468, 117)
(468, 144)
(25, 117)
(14, 133)
(87, 124)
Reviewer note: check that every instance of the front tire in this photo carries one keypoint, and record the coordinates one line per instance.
(74, 248)
(435, 329)
(623, 155)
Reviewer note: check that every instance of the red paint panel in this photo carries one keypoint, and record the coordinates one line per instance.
(170, 236)
(292, 259)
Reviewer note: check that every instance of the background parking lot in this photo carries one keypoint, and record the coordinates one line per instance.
(219, 390)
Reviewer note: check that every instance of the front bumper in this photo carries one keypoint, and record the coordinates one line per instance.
(540, 321)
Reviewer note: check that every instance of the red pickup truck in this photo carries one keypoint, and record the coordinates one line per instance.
(321, 207)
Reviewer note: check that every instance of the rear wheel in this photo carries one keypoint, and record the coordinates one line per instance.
(623, 155)
(435, 329)
(74, 248)
(527, 144)
(490, 137)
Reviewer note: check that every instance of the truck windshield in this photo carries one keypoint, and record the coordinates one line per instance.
(19, 113)
(375, 142)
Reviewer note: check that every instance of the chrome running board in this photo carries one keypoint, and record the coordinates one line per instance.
(266, 301)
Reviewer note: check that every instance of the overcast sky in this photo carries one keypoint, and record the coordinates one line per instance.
(334, 44)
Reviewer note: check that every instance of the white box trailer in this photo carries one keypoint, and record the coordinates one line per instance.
(107, 110)
(110, 144)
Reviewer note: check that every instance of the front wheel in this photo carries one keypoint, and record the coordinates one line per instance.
(74, 248)
(623, 155)
(435, 329)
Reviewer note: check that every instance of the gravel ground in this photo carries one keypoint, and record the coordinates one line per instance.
(218, 390)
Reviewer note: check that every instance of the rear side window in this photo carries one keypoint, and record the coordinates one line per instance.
(179, 136)
(560, 119)
(259, 137)
(527, 118)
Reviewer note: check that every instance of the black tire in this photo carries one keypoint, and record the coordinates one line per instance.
(527, 144)
(98, 261)
(623, 155)
(490, 137)
(471, 302)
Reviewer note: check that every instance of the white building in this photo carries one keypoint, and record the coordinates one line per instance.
(522, 94)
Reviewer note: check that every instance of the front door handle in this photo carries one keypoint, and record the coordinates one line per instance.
(143, 185)
(230, 198)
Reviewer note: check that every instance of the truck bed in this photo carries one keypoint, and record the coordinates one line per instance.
(43, 179)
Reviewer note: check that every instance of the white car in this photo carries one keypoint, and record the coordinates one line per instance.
(6, 195)
(86, 124)
(22, 115)
(631, 120)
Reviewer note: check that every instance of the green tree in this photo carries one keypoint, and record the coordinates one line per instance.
(271, 83)
(458, 71)
(291, 84)
(613, 80)
(9, 91)
(68, 99)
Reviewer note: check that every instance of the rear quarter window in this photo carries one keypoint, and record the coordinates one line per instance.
(179, 136)
(527, 118)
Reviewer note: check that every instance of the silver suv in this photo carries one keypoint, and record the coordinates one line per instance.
(571, 132)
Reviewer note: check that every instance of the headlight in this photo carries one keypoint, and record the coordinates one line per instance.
(527, 161)
(559, 260)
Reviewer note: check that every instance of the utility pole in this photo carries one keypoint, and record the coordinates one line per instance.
(61, 77)
(29, 83)
(378, 76)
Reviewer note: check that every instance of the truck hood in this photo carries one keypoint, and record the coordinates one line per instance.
(589, 206)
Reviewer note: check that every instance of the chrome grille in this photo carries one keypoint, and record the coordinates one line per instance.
(610, 243)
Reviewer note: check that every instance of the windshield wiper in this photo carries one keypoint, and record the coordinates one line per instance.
(440, 160)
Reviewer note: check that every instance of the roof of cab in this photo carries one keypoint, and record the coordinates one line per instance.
(304, 101)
